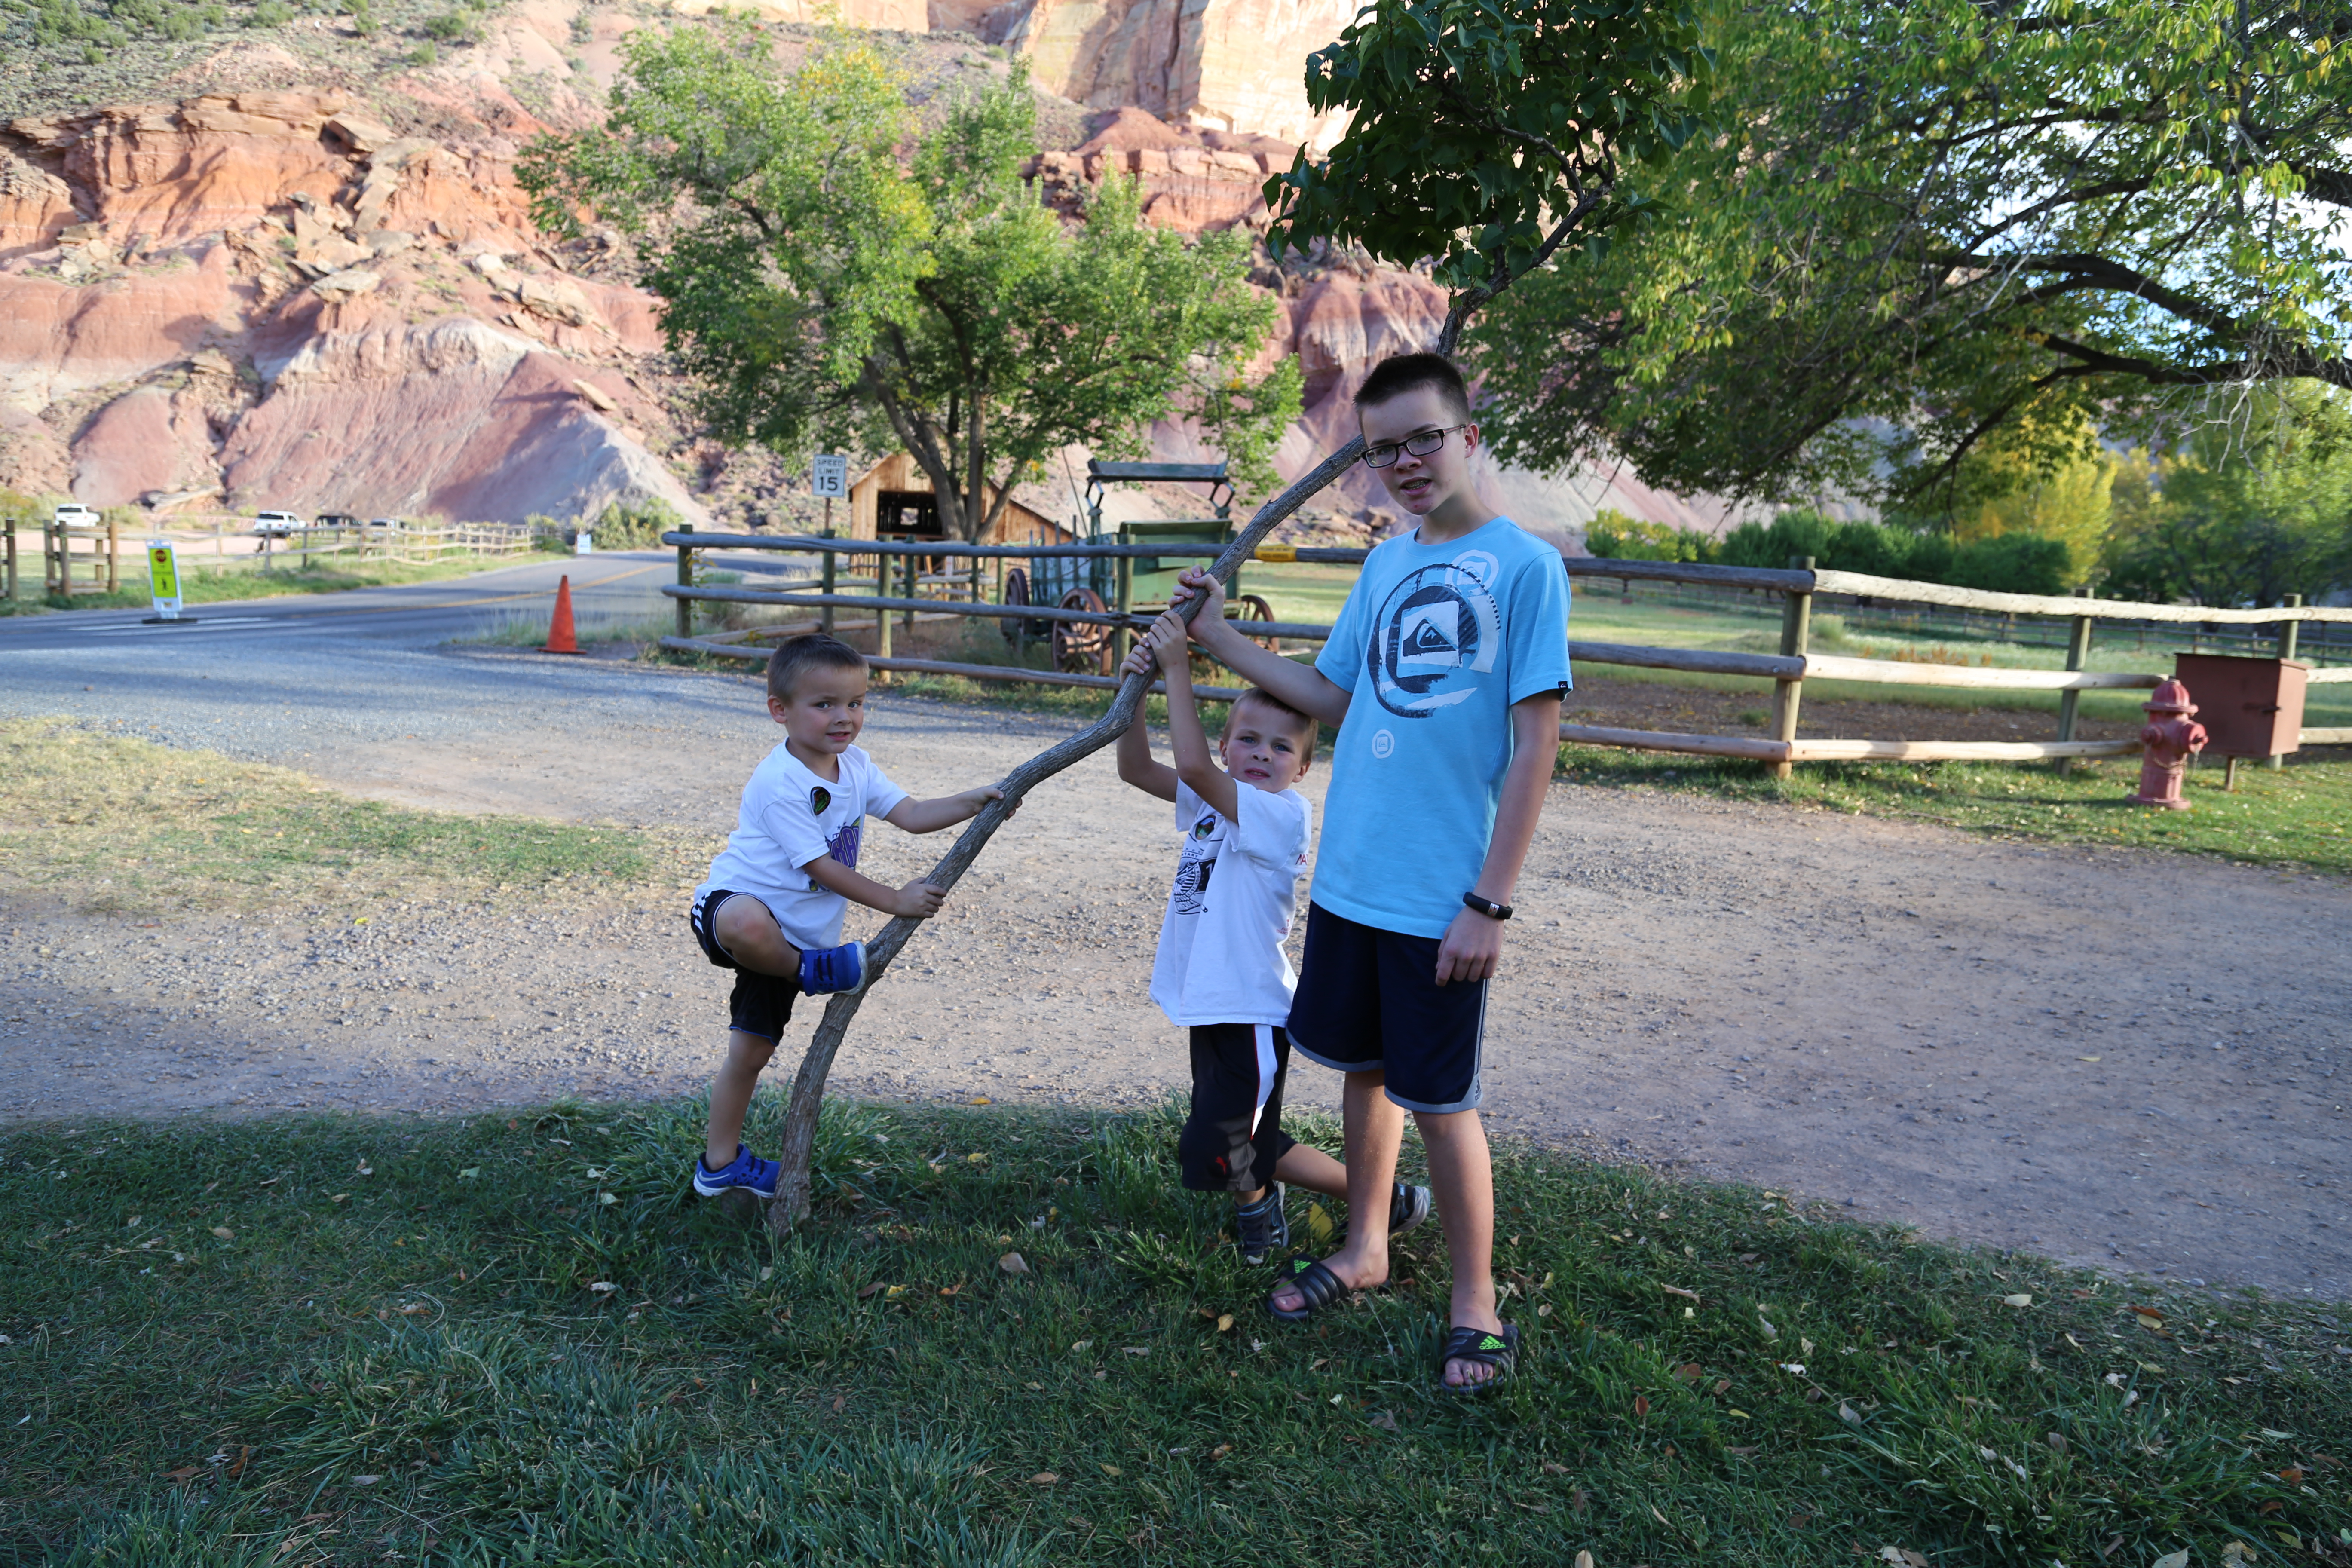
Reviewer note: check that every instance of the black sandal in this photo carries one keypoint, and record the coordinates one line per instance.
(1317, 1285)
(1479, 1347)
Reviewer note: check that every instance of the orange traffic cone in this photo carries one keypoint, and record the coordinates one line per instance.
(560, 637)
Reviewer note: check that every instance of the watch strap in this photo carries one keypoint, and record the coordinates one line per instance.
(1487, 907)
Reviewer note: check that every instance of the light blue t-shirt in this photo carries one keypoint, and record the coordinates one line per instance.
(1434, 643)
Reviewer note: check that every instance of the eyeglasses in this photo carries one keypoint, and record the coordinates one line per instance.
(1421, 444)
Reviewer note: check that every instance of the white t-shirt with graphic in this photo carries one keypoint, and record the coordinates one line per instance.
(1229, 912)
(789, 817)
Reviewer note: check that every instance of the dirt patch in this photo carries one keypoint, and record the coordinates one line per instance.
(2110, 1057)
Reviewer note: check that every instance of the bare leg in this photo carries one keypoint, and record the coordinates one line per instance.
(1462, 1174)
(751, 938)
(1309, 1168)
(1375, 1127)
(730, 1094)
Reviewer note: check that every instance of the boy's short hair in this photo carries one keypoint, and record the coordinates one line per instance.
(1298, 725)
(798, 656)
(1400, 374)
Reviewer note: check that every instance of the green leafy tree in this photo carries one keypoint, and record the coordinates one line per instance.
(1486, 136)
(1940, 225)
(2227, 520)
(823, 284)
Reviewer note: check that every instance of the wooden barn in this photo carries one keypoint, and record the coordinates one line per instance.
(893, 500)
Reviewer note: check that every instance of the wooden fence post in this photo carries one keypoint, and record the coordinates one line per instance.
(881, 616)
(686, 579)
(2078, 648)
(914, 583)
(113, 556)
(829, 574)
(1796, 628)
(8, 525)
(2289, 634)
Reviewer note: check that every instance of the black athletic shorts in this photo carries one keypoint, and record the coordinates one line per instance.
(1235, 1134)
(1368, 999)
(763, 1004)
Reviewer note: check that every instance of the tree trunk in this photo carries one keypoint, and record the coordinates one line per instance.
(792, 1203)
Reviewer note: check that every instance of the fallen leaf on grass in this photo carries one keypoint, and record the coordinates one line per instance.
(1013, 1263)
(183, 1473)
(1224, 1322)
(1551, 1469)
(1848, 1414)
(1078, 1345)
(1690, 1372)
(2175, 1559)
(1045, 1479)
(1678, 1290)
(470, 1173)
(1221, 1450)
(1902, 1557)
(603, 1287)
(1387, 1422)
(338, 1197)
(840, 1403)
(1319, 1224)
(1641, 1406)
(224, 1233)
(977, 1159)
(1110, 1469)
(2023, 1299)
(1584, 1560)
(365, 1480)
(870, 1290)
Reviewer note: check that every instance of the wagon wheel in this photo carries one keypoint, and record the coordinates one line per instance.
(1079, 647)
(1016, 591)
(1252, 607)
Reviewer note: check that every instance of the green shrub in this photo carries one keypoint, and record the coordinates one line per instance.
(458, 26)
(271, 13)
(637, 525)
(1614, 536)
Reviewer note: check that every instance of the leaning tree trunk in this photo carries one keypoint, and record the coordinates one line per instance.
(792, 1202)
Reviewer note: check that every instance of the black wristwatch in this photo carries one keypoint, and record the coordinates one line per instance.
(1487, 907)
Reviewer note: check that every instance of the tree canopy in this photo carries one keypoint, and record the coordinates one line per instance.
(832, 273)
(1936, 228)
(1485, 136)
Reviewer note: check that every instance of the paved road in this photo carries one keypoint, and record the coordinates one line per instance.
(606, 590)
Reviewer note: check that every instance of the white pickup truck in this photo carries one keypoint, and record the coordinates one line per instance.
(73, 514)
(277, 525)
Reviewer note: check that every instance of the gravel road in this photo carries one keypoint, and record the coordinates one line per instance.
(2115, 1057)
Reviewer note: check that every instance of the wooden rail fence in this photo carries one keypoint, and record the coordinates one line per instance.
(1788, 670)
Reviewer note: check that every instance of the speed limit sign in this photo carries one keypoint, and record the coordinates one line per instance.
(829, 474)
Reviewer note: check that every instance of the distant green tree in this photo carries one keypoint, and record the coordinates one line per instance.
(2226, 520)
(1940, 225)
(822, 286)
(1616, 536)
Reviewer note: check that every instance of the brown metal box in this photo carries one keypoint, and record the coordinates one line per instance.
(2249, 707)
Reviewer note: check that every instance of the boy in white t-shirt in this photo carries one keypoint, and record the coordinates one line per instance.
(772, 907)
(1220, 971)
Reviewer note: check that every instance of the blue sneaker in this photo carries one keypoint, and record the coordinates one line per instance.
(828, 969)
(745, 1172)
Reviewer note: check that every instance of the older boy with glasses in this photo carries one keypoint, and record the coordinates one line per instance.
(1443, 675)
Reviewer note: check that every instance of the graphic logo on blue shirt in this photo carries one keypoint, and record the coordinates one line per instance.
(1438, 630)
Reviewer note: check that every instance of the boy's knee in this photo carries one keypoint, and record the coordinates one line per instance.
(747, 931)
(749, 1048)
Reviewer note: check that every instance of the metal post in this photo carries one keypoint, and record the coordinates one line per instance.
(1120, 637)
(2289, 632)
(829, 559)
(1796, 628)
(2078, 648)
(685, 580)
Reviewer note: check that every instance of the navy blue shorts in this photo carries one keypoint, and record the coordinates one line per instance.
(1234, 1138)
(761, 1004)
(1369, 1000)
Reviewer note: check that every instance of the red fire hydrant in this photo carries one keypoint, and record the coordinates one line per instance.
(2169, 739)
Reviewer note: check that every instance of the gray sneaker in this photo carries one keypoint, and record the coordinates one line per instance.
(1409, 1206)
(1262, 1227)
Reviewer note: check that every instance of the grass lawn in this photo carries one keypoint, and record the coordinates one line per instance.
(117, 822)
(2300, 815)
(205, 584)
(511, 1339)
